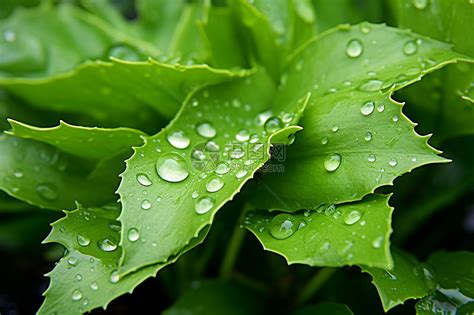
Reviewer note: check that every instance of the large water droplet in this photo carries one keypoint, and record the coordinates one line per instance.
(222, 168)
(206, 130)
(133, 235)
(107, 244)
(332, 162)
(143, 179)
(241, 173)
(420, 4)
(410, 48)
(367, 108)
(354, 48)
(242, 135)
(76, 295)
(214, 185)
(203, 205)
(273, 124)
(352, 217)
(370, 85)
(283, 226)
(172, 168)
(47, 191)
(83, 240)
(178, 139)
(146, 204)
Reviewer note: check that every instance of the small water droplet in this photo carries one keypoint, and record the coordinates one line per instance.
(203, 205)
(263, 117)
(393, 162)
(371, 158)
(380, 108)
(332, 162)
(253, 138)
(352, 217)
(413, 159)
(329, 211)
(337, 214)
(335, 128)
(143, 179)
(115, 276)
(214, 185)
(72, 261)
(365, 28)
(368, 136)
(378, 242)
(283, 225)
(107, 244)
(395, 118)
(124, 52)
(76, 295)
(222, 168)
(367, 108)
(114, 226)
(178, 139)
(94, 286)
(272, 124)
(242, 135)
(18, 173)
(237, 153)
(146, 204)
(420, 4)
(211, 146)
(427, 273)
(172, 168)
(195, 194)
(324, 141)
(410, 48)
(83, 240)
(241, 173)
(370, 85)
(354, 48)
(287, 117)
(133, 235)
(77, 277)
(47, 191)
(206, 130)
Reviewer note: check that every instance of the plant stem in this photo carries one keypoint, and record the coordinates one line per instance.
(314, 284)
(233, 249)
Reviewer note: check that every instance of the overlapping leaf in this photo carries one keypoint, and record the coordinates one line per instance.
(185, 173)
(86, 278)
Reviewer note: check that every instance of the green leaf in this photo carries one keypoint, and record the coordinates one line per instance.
(84, 278)
(129, 93)
(324, 308)
(353, 233)
(170, 190)
(407, 280)
(216, 297)
(353, 119)
(455, 291)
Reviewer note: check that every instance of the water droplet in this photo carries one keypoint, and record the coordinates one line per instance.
(287, 117)
(370, 85)
(337, 214)
(195, 194)
(94, 286)
(330, 210)
(85, 302)
(380, 108)
(83, 240)
(178, 139)
(114, 226)
(427, 273)
(395, 118)
(222, 168)
(352, 217)
(367, 108)
(72, 261)
(335, 128)
(211, 146)
(47, 191)
(76, 295)
(18, 173)
(146, 204)
(263, 117)
(133, 235)
(214, 185)
(172, 168)
(203, 205)
(115, 276)
(378, 242)
(9, 36)
(206, 130)
(143, 179)
(420, 4)
(324, 141)
(272, 124)
(242, 135)
(283, 225)
(413, 159)
(365, 28)
(241, 173)
(368, 136)
(354, 48)
(371, 158)
(410, 47)
(237, 153)
(393, 162)
(253, 138)
(332, 162)
(108, 244)
(77, 277)
(124, 52)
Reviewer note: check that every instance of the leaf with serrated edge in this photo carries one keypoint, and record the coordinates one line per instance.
(84, 142)
(334, 121)
(323, 238)
(82, 280)
(158, 208)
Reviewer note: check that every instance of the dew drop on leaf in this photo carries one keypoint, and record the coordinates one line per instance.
(395, 118)
(94, 286)
(133, 235)
(195, 194)
(241, 173)
(172, 168)
(143, 179)
(253, 138)
(146, 204)
(237, 153)
(9, 36)
(273, 124)
(410, 48)
(377, 242)
(380, 108)
(330, 210)
(367, 108)
(222, 168)
(115, 276)
(47, 191)
(283, 226)
(354, 48)
(214, 185)
(332, 162)
(393, 162)
(203, 205)
(242, 135)
(427, 273)
(72, 261)
(263, 117)
(76, 295)
(335, 128)
(123, 52)
(324, 141)
(420, 4)
(352, 217)
(371, 158)
(83, 240)
(370, 85)
(107, 244)
(206, 130)
(18, 173)
(368, 136)
(178, 139)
